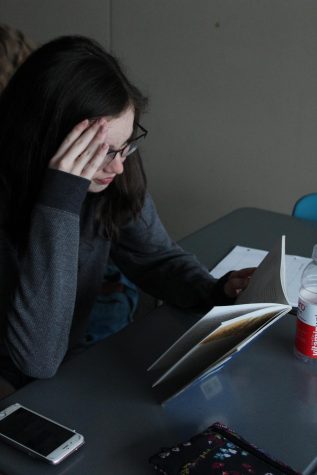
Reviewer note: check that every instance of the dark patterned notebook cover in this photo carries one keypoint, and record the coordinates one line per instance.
(217, 451)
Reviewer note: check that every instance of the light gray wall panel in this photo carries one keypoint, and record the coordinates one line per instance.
(233, 111)
(43, 20)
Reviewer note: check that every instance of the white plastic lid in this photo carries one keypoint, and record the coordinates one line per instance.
(314, 254)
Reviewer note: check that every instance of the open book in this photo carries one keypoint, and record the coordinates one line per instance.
(224, 331)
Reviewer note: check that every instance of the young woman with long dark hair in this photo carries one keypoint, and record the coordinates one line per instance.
(73, 193)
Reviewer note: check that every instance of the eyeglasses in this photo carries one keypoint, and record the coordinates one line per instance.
(130, 147)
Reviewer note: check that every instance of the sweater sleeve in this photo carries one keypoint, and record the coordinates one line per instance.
(159, 266)
(40, 303)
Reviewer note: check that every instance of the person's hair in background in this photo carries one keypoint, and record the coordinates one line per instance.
(62, 83)
(15, 47)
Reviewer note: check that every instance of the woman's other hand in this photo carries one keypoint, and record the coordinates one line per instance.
(84, 149)
(238, 280)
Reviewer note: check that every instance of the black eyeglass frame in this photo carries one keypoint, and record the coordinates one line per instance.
(111, 155)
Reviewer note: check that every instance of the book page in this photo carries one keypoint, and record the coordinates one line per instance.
(226, 335)
(217, 348)
(294, 266)
(240, 329)
(241, 257)
(206, 325)
(268, 281)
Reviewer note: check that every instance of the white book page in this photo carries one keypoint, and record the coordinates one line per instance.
(294, 266)
(231, 336)
(206, 325)
(267, 283)
(241, 257)
(214, 342)
(220, 362)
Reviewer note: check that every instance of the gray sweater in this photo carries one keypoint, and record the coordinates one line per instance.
(48, 292)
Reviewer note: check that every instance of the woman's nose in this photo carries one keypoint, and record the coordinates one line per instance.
(115, 166)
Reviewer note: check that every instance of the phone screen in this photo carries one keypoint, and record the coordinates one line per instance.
(33, 431)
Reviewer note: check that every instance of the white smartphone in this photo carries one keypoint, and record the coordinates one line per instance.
(37, 435)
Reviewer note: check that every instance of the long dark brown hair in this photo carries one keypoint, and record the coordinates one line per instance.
(60, 84)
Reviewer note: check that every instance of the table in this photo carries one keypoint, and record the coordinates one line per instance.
(105, 393)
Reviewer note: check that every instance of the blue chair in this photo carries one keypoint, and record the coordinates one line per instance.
(306, 207)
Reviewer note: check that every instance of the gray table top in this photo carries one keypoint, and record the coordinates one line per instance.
(105, 393)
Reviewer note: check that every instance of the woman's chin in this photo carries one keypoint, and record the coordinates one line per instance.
(97, 187)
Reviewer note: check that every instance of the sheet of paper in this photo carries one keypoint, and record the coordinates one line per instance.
(241, 257)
